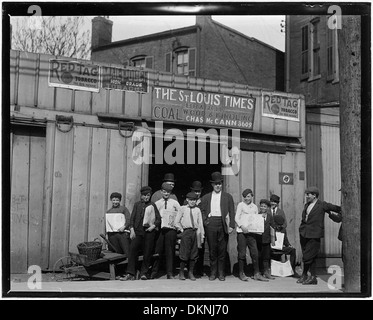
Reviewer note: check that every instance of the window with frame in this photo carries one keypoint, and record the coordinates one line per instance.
(141, 61)
(182, 61)
(315, 47)
(304, 71)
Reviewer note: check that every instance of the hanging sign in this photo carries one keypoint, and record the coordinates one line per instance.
(74, 75)
(286, 178)
(280, 106)
(203, 108)
(124, 79)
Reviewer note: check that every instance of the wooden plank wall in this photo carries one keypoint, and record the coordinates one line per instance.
(27, 197)
(75, 172)
(260, 172)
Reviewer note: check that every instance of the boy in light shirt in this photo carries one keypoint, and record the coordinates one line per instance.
(168, 209)
(246, 238)
(189, 223)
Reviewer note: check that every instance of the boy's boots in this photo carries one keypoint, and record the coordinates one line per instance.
(267, 271)
(182, 267)
(191, 270)
(241, 272)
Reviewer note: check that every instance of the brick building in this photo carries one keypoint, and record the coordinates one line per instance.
(312, 69)
(207, 50)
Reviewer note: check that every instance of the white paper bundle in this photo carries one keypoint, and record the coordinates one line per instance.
(279, 241)
(149, 216)
(253, 222)
(168, 218)
(114, 221)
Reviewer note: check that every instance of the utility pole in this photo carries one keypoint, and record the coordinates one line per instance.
(349, 41)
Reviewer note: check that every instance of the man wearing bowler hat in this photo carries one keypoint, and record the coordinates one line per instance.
(169, 179)
(217, 209)
(275, 210)
(311, 230)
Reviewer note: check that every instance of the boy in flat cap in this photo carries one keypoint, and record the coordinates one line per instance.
(145, 218)
(275, 210)
(311, 230)
(168, 209)
(189, 223)
(245, 238)
(117, 220)
(264, 241)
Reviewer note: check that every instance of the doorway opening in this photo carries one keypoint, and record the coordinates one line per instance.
(186, 173)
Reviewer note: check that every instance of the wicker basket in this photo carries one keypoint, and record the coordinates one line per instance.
(91, 249)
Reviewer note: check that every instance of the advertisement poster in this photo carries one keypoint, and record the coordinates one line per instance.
(281, 107)
(74, 75)
(203, 108)
(124, 79)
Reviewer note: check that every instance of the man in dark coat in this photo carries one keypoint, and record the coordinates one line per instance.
(311, 230)
(218, 214)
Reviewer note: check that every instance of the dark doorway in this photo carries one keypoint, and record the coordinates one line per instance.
(185, 174)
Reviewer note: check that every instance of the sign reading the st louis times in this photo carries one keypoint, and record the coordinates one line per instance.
(124, 79)
(203, 108)
(281, 107)
(74, 75)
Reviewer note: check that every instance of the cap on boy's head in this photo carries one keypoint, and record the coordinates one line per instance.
(246, 192)
(166, 187)
(116, 195)
(274, 198)
(169, 177)
(279, 220)
(313, 190)
(216, 177)
(266, 202)
(196, 186)
(145, 190)
(191, 196)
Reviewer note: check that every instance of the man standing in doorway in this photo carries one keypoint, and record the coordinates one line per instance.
(311, 230)
(217, 209)
(170, 180)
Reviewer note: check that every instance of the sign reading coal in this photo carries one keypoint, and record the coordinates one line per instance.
(281, 107)
(124, 79)
(74, 75)
(203, 108)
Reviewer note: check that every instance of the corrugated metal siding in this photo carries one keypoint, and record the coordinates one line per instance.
(323, 171)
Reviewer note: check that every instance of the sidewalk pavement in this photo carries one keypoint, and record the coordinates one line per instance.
(202, 287)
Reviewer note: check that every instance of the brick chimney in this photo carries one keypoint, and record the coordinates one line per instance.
(202, 20)
(101, 31)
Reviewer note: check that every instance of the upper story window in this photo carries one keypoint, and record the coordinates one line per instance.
(315, 61)
(141, 61)
(310, 50)
(304, 73)
(182, 61)
(332, 60)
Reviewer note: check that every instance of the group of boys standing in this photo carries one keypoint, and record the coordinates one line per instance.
(157, 220)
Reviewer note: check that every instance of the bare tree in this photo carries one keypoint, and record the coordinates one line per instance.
(59, 36)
